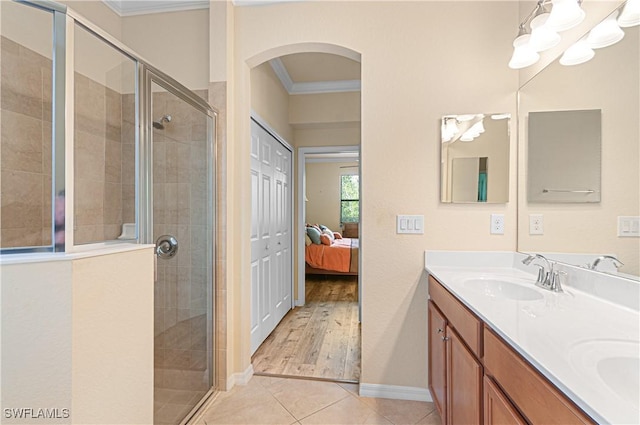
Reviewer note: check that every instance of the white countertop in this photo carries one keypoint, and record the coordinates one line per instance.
(567, 336)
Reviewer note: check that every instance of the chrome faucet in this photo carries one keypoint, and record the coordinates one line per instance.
(547, 277)
(594, 265)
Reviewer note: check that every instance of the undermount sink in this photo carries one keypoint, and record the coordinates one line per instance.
(615, 362)
(498, 288)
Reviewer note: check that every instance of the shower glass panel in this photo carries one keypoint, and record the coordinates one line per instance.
(104, 151)
(26, 64)
(182, 189)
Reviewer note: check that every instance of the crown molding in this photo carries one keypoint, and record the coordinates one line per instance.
(143, 7)
(314, 87)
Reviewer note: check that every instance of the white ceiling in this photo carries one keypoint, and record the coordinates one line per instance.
(310, 73)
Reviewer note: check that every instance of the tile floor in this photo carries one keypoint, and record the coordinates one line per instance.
(270, 400)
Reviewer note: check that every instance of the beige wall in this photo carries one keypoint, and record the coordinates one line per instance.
(323, 192)
(63, 344)
(410, 78)
(177, 43)
(591, 228)
(271, 101)
(98, 13)
(339, 109)
(112, 370)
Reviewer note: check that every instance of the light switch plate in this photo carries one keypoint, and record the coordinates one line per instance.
(497, 224)
(629, 226)
(410, 224)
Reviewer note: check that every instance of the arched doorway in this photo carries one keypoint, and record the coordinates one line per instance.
(314, 113)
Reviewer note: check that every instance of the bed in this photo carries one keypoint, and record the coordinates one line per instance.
(339, 258)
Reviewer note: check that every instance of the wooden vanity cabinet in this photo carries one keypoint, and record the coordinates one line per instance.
(455, 373)
(498, 410)
(437, 359)
(538, 400)
(464, 383)
(477, 378)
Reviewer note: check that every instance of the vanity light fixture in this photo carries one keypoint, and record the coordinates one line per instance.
(542, 36)
(565, 14)
(630, 15)
(577, 53)
(449, 129)
(606, 33)
(523, 54)
(545, 24)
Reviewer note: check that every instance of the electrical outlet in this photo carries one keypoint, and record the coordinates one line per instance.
(497, 224)
(536, 224)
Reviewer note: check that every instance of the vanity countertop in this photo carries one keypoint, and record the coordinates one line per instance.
(587, 346)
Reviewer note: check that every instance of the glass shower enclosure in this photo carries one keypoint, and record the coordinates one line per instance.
(100, 148)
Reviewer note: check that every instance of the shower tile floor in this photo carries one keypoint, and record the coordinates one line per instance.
(271, 400)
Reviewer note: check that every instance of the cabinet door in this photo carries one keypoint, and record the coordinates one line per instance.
(437, 359)
(498, 410)
(464, 383)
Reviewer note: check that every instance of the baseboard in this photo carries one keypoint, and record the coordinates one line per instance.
(395, 392)
(241, 378)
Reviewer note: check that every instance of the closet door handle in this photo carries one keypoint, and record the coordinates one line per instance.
(445, 338)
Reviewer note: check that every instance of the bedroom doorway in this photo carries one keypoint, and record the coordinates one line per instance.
(320, 338)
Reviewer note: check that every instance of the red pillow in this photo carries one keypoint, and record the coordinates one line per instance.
(325, 239)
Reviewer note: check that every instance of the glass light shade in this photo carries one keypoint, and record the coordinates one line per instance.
(523, 54)
(579, 52)
(606, 33)
(542, 37)
(466, 138)
(630, 15)
(565, 14)
(477, 128)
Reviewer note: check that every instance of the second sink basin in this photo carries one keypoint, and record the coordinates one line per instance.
(498, 288)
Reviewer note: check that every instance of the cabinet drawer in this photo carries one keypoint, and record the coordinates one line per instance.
(459, 317)
(538, 400)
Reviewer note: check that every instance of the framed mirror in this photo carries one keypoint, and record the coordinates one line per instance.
(475, 158)
(577, 233)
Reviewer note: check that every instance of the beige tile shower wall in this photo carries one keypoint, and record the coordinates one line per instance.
(180, 209)
(103, 163)
(25, 147)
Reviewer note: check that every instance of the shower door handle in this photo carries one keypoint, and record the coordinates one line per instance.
(166, 246)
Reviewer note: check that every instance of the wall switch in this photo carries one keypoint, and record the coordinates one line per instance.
(629, 226)
(536, 224)
(497, 224)
(410, 224)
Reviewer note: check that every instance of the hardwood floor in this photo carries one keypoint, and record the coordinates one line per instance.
(320, 339)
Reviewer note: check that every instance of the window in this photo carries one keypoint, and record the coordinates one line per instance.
(350, 198)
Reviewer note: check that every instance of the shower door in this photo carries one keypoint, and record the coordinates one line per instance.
(180, 223)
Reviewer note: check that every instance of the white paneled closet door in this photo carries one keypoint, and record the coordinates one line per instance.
(271, 225)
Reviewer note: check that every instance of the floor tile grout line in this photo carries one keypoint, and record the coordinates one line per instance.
(430, 412)
(321, 409)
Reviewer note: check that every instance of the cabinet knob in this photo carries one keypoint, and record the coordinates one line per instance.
(445, 338)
